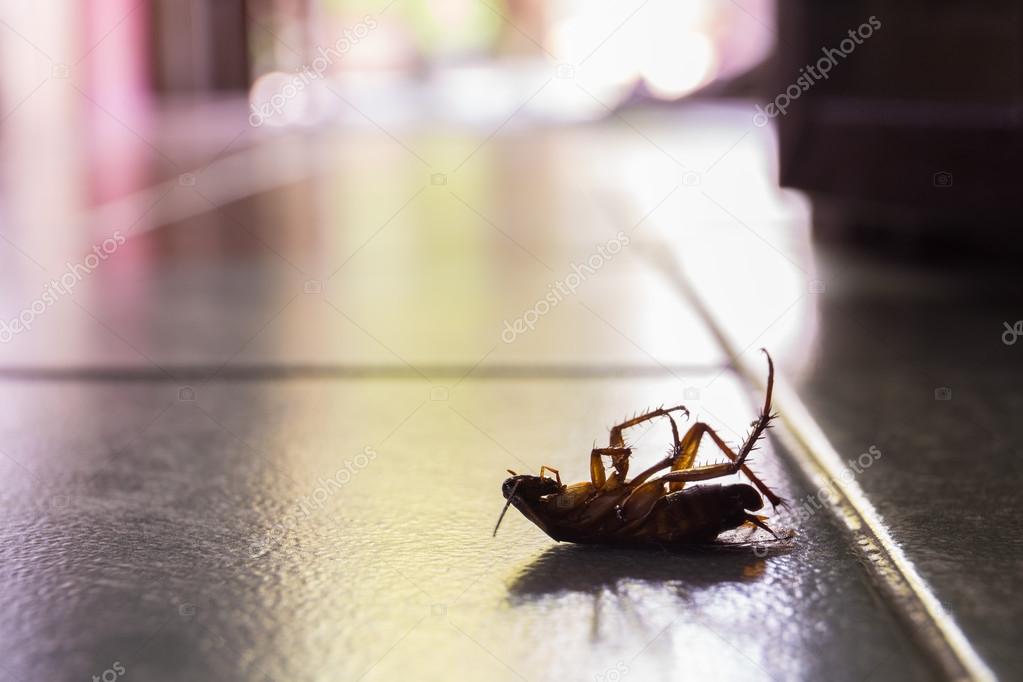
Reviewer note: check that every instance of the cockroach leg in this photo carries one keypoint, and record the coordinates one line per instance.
(597, 475)
(676, 445)
(757, 521)
(619, 460)
(643, 495)
(557, 474)
(616, 440)
(687, 457)
(704, 473)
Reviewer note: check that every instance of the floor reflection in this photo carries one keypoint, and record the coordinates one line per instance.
(600, 570)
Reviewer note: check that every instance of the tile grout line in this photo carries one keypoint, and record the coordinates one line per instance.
(906, 593)
(272, 371)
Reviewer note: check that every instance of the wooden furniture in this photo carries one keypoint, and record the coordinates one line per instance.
(919, 127)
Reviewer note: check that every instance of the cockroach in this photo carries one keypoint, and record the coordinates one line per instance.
(647, 510)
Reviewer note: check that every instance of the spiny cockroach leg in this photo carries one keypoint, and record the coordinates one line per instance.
(687, 457)
(641, 492)
(687, 449)
(684, 457)
(616, 440)
(619, 454)
(676, 445)
(619, 460)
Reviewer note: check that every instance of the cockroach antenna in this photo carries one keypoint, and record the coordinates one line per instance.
(770, 384)
(505, 510)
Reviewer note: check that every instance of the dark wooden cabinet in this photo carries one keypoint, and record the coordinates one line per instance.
(919, 125)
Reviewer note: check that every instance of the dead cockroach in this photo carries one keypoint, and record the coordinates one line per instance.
(608, 509)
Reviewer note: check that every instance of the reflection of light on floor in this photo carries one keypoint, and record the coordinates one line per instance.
(743, 242)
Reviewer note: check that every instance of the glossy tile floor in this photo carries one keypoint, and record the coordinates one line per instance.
(914, 363)
(265, 438)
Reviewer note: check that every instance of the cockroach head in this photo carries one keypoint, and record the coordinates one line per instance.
(523, 491)
(528, 488)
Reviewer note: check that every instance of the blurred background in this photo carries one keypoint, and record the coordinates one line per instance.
(245, 241)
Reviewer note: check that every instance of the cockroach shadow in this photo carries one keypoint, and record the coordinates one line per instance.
(599, 570)
(624, 579)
